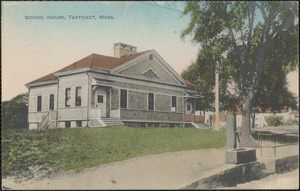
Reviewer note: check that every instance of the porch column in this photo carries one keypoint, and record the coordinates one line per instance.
(108, 102)
(194, 110)
(184, 109)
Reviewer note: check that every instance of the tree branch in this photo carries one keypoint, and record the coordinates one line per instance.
(237, 49)
(251, 16)
(262, 10)
(251, 20)
(286, 24)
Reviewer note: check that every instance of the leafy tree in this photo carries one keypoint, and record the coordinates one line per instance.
(252, 37)
(15, 112)
(273, 92)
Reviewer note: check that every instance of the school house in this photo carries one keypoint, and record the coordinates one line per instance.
(131, 88)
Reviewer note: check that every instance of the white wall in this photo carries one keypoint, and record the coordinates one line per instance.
(207, 117)
(260, 118)
(33, 126)
(34, 116)
(73, 112)
(190, 112)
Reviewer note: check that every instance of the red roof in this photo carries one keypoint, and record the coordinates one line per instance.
(189, 83)
(294, 112)
(93, 60)
(239, 110)
(269, 110)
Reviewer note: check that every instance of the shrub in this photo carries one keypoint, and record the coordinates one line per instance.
(290, 123)
(15, 113)
(274, 121)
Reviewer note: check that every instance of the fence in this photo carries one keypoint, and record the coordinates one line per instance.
(194, 118)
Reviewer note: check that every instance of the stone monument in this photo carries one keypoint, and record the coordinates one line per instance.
(234, 155)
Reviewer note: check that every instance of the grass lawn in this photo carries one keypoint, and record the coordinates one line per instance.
(80, 148)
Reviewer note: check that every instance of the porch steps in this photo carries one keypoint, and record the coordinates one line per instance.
(112, 121)
(199, 125)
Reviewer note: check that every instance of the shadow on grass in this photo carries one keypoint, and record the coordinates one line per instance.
(280, 138)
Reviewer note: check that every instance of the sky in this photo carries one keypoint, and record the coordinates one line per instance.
(33, 47)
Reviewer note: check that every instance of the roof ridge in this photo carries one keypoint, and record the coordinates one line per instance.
(122, 56)
(94, 62)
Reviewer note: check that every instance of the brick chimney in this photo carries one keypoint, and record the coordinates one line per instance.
(121, 49)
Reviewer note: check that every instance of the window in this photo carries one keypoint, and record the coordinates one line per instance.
(78, 96)
(173, 101)
(51, 102)
(123, 98)
(68, 97)
(68, 124)
(173, 108)
(188, 107)
(150, 101)
(100, 99)
(78, 123)
(39, 103)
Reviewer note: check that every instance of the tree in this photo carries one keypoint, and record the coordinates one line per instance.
(273, 92)
(15, 112)
(246, 32)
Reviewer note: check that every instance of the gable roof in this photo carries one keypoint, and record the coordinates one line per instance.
(93, 60)
(152, 55)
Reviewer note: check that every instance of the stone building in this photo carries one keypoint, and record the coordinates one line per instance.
(130, 88)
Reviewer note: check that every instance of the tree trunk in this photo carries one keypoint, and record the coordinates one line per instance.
(245, 137)
(253, 119)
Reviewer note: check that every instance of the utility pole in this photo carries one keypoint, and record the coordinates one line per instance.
(216, 126)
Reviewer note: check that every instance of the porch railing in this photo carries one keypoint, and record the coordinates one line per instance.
(49, 121)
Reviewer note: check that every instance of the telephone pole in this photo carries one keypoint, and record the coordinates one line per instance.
(216, 126)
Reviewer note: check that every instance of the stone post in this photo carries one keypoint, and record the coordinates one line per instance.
(230, 131)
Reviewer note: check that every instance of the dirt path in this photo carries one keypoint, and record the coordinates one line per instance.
(163, 171)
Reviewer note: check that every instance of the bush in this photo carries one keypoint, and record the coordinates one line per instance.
(274, 121)
(15, 112)
(290, 123)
